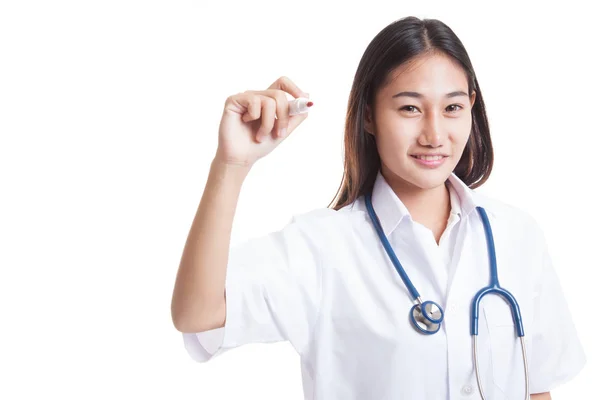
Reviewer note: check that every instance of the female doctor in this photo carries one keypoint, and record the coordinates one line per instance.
(412, 285)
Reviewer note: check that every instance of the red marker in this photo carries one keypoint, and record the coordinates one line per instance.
(299, 106)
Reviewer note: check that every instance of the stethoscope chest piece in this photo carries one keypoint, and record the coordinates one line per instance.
(426, 316)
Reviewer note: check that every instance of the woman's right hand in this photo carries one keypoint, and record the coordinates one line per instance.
(249, 130)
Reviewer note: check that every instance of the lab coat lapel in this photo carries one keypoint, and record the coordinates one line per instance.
(470, 253)
(459, 248)
(424, 258)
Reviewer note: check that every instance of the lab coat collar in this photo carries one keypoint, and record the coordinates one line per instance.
(390, 209)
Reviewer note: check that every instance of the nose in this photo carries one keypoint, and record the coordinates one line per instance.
(432, 132)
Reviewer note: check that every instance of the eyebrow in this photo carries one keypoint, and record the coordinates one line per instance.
(419, 95)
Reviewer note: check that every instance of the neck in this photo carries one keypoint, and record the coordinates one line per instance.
(429, 207)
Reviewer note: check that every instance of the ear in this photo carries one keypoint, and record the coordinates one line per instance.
(473, 95)
(369, 125)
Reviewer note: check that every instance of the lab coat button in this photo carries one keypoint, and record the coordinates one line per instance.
(467, 390)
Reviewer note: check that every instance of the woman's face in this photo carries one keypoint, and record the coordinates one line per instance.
(424, 109)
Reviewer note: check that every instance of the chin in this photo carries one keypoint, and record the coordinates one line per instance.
(419, 177)
(429, 179)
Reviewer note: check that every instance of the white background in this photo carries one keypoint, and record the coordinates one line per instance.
(109, 112)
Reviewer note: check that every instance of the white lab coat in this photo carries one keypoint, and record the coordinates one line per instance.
(326, 284)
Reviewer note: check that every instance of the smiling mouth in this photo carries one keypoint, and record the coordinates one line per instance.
(429, 158)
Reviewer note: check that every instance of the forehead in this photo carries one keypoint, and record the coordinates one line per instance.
(432, 75)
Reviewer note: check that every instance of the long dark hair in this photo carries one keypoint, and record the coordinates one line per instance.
(396, 44)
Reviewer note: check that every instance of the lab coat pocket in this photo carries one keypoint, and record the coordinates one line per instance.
(504, 342)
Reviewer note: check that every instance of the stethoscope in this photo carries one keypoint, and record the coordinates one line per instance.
(430, 321)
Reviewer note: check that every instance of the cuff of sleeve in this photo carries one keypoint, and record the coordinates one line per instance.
(548, 385)
(204, 346)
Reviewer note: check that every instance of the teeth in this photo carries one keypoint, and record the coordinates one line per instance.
(430, 158)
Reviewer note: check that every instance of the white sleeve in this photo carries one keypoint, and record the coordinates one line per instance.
(272, 290)
(557, 354)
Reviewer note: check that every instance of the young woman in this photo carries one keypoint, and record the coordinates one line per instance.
(380, 294)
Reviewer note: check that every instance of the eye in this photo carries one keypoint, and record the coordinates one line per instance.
(455, 105)
(406, 107)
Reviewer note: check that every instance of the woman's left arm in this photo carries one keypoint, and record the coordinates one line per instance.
(541, 396)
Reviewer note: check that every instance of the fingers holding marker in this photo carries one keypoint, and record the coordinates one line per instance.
(251, 117)
(279, 116)
(285, 84)
(289, 116)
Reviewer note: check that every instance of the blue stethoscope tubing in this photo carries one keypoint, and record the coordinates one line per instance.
(429, 322)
